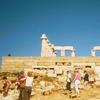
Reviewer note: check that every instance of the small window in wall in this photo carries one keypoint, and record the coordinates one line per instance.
(63, 63)
(56, 63)
(87, 66)
(51, 68)
(59, 63)
(69, 64)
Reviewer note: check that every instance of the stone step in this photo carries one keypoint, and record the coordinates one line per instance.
(10, 97)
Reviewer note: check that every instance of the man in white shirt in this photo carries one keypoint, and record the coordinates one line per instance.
(28, 86)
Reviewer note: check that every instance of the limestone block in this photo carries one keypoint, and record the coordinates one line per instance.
(97, 83)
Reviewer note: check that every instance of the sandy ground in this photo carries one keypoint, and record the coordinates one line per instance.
(91, 94)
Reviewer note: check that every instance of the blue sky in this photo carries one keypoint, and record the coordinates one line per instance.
(65, 22)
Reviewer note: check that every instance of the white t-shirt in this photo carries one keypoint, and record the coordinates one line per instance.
(68, 77)
(29, 81)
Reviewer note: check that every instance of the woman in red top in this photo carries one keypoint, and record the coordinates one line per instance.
(22, 79)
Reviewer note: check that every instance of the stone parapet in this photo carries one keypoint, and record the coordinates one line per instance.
(23, 62)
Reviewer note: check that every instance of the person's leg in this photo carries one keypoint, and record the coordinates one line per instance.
(29, 92)
(4, 93)
(76, 88)
(7, 91)
(85, 84)
(26, 93)
(23, 94)
(78, 83)
(69, 89)
(20, 95)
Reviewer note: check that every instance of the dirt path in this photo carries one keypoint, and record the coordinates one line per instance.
(92, 94)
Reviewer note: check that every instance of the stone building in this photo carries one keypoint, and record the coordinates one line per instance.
(50, 60)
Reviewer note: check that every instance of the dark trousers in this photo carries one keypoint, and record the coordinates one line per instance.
(22, 94)
(68, 86)
(28, 91)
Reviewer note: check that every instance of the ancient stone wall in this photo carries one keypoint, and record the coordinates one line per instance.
(26, 62)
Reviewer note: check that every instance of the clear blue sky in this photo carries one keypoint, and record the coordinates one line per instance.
(65, 22)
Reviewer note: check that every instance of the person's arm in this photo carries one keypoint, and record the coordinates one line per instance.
(75, 77)
(24, 78)
(70, 78)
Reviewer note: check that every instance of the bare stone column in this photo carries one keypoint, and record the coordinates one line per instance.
(62, 52)
(53, 50)
(47, 48)
(55, 55)
(72, 53)
(44, 43)
(93, 53)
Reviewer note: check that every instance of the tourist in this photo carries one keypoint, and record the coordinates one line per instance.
(77, 82)
(28, 86)
(86, 79)
(6, 85)
(22, 80)
(68, 85)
